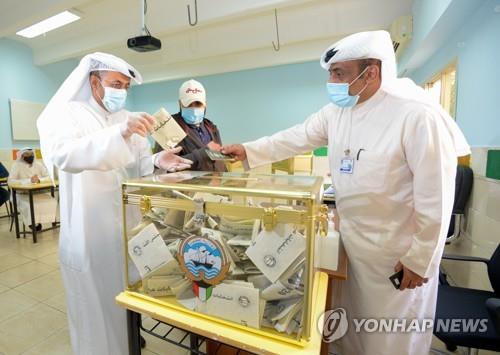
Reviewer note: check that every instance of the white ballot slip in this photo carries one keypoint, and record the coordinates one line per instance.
(237, 302)
(274, 254)
(167, 133)
(148, 251)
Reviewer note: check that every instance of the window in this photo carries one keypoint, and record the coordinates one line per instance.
(442, 87)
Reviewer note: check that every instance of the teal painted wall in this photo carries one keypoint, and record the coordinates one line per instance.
(22, 80)
(476, 46)
(426, 13)
(247, 104)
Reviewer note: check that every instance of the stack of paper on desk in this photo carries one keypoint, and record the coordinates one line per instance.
(167, 133)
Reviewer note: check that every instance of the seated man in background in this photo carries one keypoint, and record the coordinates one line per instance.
(201, 133)
(26, 170)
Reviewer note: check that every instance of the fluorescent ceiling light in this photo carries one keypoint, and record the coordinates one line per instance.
(49, 24)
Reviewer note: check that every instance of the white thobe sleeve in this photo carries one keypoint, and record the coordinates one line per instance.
(16, 176)
(42, 172)
(299, 139)
(74, 152)
(431, 156)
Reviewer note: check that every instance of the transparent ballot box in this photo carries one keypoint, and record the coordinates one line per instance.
(233, 248)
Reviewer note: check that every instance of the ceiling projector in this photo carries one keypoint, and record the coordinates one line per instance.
(145, 43)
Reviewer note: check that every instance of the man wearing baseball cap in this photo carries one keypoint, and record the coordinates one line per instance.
(201, 133)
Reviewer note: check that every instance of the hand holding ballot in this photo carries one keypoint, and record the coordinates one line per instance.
(237, 151)
(140, 123)
(166, 131)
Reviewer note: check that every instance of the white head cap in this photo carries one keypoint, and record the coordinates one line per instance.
(21, 151)
(191, 91)
(364, 45)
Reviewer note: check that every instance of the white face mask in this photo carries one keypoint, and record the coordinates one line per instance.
(339, 92)
(114, 99)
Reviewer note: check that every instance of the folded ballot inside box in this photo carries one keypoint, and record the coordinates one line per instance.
(167, 132)
(148, 251)
(273, 254)
(166, 285)
(236, 301)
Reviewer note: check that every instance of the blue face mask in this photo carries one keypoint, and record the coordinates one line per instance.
(339, 93)
(193, 115)
(114, 99)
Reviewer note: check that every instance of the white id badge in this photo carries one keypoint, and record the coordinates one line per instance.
(346, 166)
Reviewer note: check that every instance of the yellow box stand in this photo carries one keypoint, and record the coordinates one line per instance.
(297, 164)
(227, 332)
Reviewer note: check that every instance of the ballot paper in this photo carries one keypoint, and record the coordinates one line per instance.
(274, 254)
(159, 286)
(238, 302)
(287, 320)
(167, 132)
(188, 299)
(148, 251)
(216, 155)
(279, 291)
(284, 316)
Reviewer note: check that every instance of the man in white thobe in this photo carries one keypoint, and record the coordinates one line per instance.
(27, 170)
(95, 144)
(393, 157)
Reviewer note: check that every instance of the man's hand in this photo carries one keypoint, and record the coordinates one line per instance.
(140, 123)
(410, 280)
(35, 179)
(169, 161)
(237, 151)
(214, 146)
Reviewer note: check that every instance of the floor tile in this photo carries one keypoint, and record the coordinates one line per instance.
(38, 250)
(44, 287)
(57, 344)
(8, 261)
(33, 325)
(50, 259)
(12, 303)
(58, 302)
(24, 273)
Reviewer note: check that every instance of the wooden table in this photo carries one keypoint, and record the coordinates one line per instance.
(242, 340)
(30, 189)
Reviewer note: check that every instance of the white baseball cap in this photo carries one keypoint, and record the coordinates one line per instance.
(191, 91)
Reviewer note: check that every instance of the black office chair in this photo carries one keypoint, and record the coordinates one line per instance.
(470, 304)
(463, 188)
